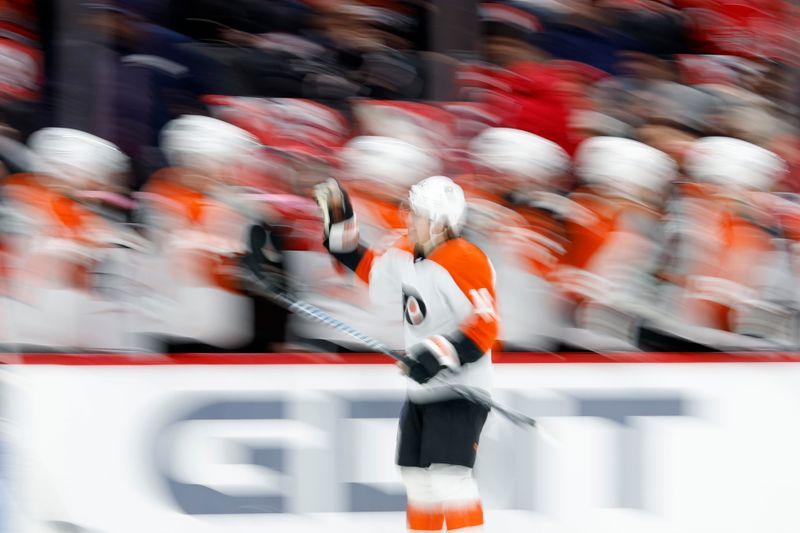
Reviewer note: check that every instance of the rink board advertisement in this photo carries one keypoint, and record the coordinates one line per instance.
(302, 448)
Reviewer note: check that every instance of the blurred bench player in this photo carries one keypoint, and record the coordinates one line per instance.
(516, 218)
(450, 324)
(377, 171)
(731, 280)
(615, 241)
(198, 215)
(68, 260)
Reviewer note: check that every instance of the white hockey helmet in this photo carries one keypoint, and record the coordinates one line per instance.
(518, 154)
(205, 144)
(624, 167)
(75, 157)
(387, 161)
(734, 163)
(441, 201)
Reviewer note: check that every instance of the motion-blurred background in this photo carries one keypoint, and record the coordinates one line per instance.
(632, 170)
(631, 166)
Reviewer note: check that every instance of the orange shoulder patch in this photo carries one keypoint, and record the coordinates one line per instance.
(473, 274)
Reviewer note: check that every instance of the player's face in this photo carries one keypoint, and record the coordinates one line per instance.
(418, 228)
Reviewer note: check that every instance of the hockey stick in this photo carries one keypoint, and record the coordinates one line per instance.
(259, 284)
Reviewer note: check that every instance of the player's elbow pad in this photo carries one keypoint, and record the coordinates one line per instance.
(467, 350)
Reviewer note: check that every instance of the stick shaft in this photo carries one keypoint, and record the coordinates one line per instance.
(315, 313)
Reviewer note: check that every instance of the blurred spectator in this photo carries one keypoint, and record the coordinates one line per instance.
(424, 125)
(596, 32)
(332, 52)
(122, 78)
(651, 89)
(517, 87)
(211, 20)
(755, 29)
(21, 66)
(366, 42)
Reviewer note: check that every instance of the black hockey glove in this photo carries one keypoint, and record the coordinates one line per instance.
(340, 226)
(264, 257)
(430, 357)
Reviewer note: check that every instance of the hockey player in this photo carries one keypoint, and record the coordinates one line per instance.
(198, 219)
(515, 218)
(450, 324)
(378, 172)
(615, 240)
(731, 279)
(57, 240)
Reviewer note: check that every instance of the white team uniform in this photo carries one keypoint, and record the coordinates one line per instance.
(68, 284)
(450, 292)
(450, 324)
(196, 238)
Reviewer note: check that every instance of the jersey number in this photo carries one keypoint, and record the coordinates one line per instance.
(483, 304)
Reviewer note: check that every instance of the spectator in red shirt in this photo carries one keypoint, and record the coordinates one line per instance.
(517, 85)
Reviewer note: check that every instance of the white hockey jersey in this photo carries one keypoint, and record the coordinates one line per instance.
(66, 282)
(450, 292)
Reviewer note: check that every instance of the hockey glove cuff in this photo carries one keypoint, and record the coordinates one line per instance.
(430, 357)
(339, 221)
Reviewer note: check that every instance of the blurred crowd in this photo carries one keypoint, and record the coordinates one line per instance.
(632, 166)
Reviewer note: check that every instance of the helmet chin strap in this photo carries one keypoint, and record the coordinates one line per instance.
(434, 240)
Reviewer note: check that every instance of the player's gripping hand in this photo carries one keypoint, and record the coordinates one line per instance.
(430, 357)
(339, 221)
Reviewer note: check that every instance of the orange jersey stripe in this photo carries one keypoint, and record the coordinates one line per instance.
(66, 218)
(191, 202)
(745, 243)
(473, 273)
(584, 242)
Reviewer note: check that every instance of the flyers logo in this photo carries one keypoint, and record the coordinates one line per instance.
(414, 309)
